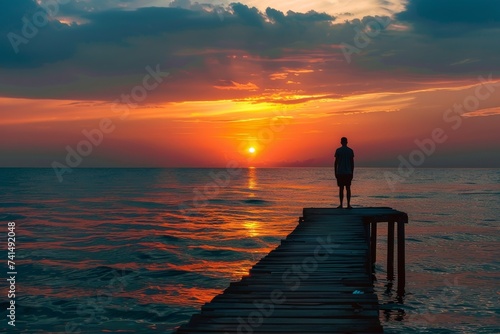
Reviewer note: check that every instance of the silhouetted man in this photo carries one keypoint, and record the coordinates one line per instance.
(344, 170)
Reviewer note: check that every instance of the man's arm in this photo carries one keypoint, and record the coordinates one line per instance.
(335, 165)
(352, 163)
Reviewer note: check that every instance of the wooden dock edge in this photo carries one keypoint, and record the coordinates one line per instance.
(335, 293)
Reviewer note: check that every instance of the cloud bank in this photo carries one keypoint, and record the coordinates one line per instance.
(95, 50)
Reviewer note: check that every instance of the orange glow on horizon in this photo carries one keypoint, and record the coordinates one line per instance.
(265, 130)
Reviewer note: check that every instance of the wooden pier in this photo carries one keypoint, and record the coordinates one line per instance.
(318, 280)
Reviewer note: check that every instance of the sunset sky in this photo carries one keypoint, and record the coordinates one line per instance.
(155, 83)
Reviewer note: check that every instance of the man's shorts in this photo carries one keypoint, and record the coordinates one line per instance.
(344, 180)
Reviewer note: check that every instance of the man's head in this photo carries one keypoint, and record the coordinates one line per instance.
(343, 141)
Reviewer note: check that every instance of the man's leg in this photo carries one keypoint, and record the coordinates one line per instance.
(348, 190)
(341, 195)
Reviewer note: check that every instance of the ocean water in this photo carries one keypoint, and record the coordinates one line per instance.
(140, 250)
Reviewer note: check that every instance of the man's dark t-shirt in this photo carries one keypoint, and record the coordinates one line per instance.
(344, 156)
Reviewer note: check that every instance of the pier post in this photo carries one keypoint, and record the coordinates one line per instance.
(373, 243)
(369, 265)
(401, 257)
(390, 251)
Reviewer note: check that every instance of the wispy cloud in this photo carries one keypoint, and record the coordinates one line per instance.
(231, 85)
(495, 111)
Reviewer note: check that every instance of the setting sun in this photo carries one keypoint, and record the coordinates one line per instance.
(251, 150)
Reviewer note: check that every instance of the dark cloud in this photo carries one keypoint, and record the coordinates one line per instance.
(25, 26)
(310, 16)
(446, 36)
(275, 15)
(451, 15)
(107, 52)
(250, 16)
(13, 11)
(230, 26)
(55, 41)
(76, 8)
(96, 55)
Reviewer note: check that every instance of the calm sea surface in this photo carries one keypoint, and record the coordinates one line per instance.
(140, 250)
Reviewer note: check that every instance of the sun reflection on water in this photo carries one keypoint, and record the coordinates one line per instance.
(252, 179)
(252, 228)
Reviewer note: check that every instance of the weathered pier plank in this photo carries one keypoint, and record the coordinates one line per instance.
(318, 280)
